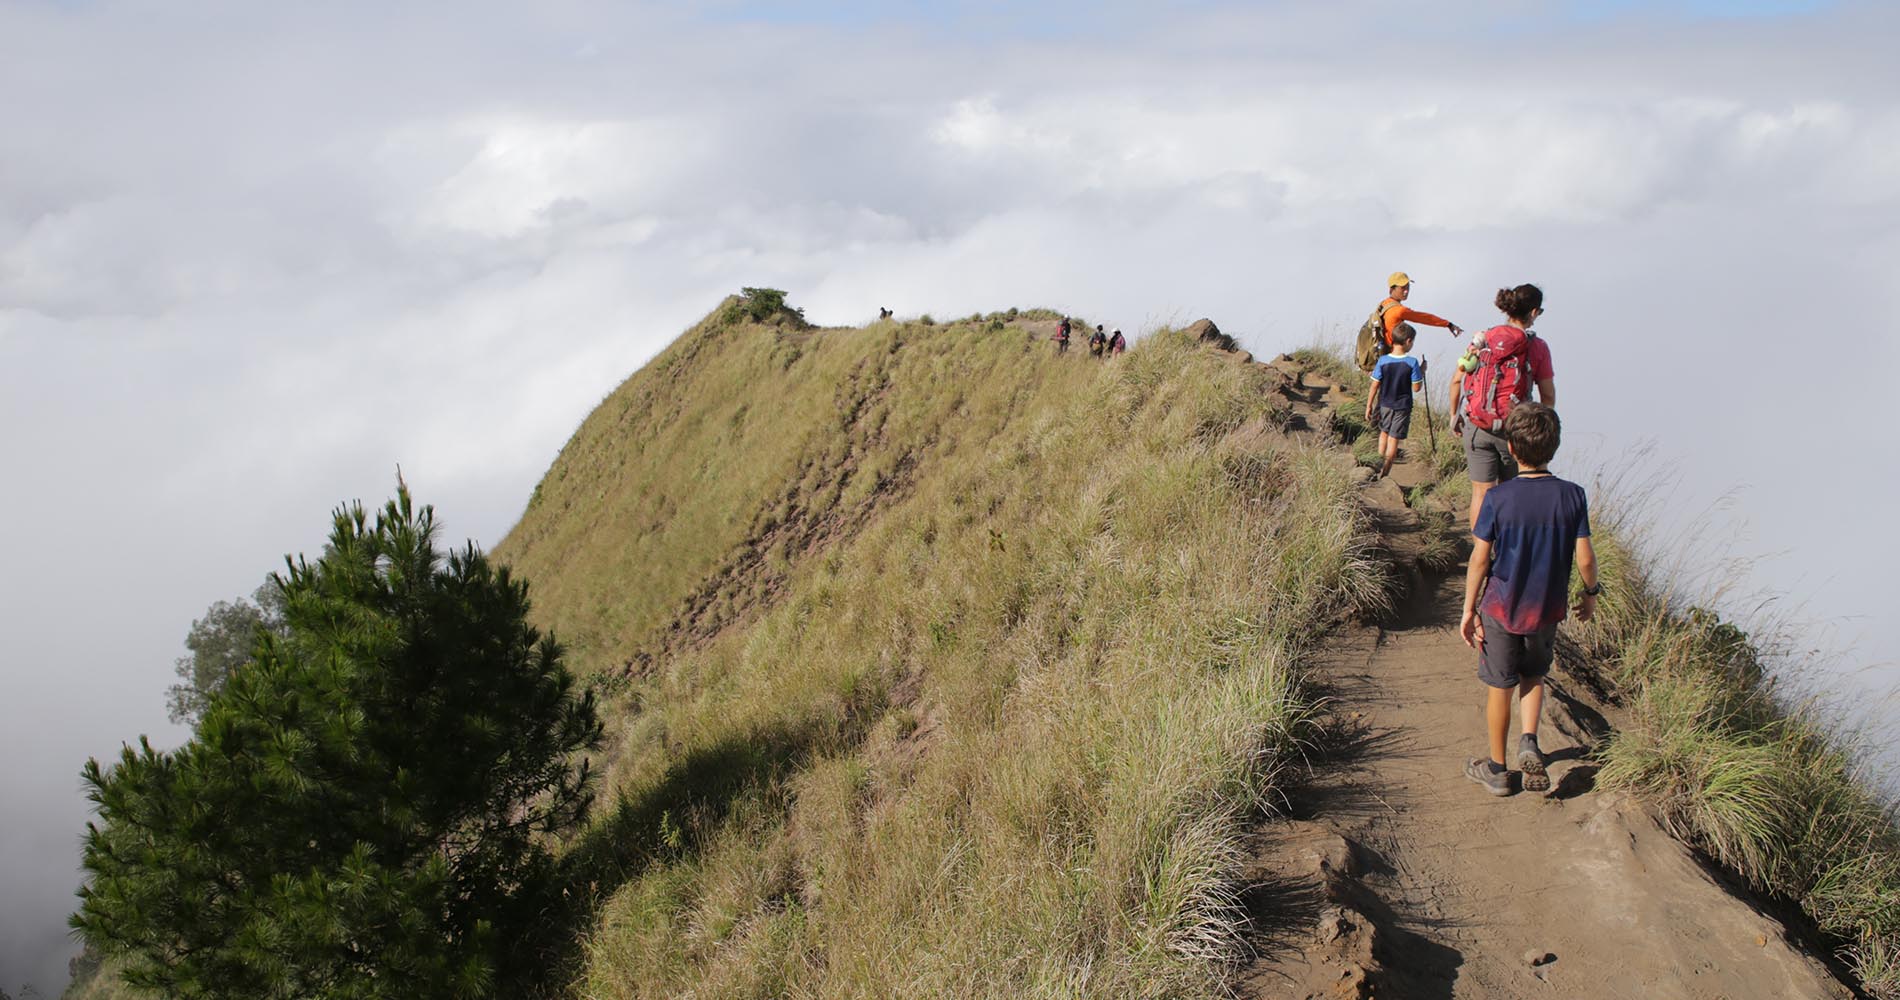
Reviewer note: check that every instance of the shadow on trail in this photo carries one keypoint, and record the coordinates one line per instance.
(1414, 965)
(1577, 663)
(1281, 911)
(665, 822)
(1343, 746)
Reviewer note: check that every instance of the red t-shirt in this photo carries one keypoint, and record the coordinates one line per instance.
(1537, 359)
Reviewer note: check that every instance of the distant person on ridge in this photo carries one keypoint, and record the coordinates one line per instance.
(1495, 375)
(1375, 337)
(1062, 336)
(1117, 344)
(1397, 377)
(1529, 532)
(1098, 342)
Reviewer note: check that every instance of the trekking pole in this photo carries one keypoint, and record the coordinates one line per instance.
(1431, 422)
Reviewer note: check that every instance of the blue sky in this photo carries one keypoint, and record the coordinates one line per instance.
(1070, 17)
(1693, 9)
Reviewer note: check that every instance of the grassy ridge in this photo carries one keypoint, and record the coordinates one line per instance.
(1762, 786)
(995, 728)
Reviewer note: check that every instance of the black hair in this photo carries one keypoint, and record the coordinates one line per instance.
(1521, 303)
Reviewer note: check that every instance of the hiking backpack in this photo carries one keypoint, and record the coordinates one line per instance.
(1502, 379)
(1371, 345)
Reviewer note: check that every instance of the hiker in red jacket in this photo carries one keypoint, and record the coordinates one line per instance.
(1504, 363)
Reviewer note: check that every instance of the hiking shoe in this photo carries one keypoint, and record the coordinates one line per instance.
(1496, 782)
(1531, 761)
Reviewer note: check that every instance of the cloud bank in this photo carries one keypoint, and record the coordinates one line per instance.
(252, 258)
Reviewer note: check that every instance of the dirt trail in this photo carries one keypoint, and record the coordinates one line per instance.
(1397, 877)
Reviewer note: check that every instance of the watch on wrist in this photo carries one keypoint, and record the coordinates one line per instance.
(1593, 589)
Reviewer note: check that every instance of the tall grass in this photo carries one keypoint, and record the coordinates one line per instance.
(1002, 738)
(1759, 781)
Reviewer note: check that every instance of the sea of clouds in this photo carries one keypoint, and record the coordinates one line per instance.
(254, 257)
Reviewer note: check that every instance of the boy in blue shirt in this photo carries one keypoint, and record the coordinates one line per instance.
(1394, 379)
(1529, 531)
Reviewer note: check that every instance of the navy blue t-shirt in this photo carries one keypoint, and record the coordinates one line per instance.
(1533, 525)
(1394, 376)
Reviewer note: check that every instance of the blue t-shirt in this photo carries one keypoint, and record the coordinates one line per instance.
(1533, 525)
(1395, 377)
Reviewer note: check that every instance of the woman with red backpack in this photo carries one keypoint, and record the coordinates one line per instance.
(1503, 364)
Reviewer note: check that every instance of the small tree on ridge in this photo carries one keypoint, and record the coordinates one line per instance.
(356, 814)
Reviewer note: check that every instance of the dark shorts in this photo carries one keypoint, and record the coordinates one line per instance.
(1506, 659)
(1487, 456)
(1395, 422)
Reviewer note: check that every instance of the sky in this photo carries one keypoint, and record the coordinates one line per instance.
(256, 257)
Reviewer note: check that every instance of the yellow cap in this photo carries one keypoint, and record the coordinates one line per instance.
(1398, 279)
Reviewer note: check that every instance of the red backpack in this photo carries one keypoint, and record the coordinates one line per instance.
(1502, 379)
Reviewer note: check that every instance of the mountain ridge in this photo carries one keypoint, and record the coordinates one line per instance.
(880, 414)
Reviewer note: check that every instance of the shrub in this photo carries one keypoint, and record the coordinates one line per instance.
(356, 813)
(764, 305)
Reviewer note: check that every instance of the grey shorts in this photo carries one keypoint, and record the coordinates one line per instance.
(1395, 422)
(1506, 659)
(1487, 456)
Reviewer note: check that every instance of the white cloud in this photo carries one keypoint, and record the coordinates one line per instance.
(250, 261)
(533, 172)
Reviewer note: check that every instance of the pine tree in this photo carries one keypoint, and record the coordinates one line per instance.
(356, 815)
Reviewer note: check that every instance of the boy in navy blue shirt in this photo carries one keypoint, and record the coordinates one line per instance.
(1394, 379)
(1529, 531)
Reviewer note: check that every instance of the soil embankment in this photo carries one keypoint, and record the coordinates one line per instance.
(1395, 876)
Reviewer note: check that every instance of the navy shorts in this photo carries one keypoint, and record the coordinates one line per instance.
(1506, 659)
(1395, 422)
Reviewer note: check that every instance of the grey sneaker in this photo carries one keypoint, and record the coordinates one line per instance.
(1496, 782)
(1531, 760)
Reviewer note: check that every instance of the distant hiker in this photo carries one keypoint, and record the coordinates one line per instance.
(1098, 342)
(1375, 334)
(1394, 381)
(1062, 336)
(1495, 375)
(883, 313)
(1529, 531)
(1117, 344)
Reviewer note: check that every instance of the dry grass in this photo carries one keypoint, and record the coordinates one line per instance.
(1759, 781)
(999, 739)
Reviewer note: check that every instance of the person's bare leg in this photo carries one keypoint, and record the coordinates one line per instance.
(1530, 757)
(1478, 490)
(1497, 719)
(1389, 450)
(1530, 704)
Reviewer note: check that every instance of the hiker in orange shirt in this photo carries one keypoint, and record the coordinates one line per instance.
(1399, 288)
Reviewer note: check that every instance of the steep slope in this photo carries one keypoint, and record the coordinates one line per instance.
(945, 666)
(992, 718)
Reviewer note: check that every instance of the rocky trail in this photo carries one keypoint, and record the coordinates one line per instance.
(1395, 876)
